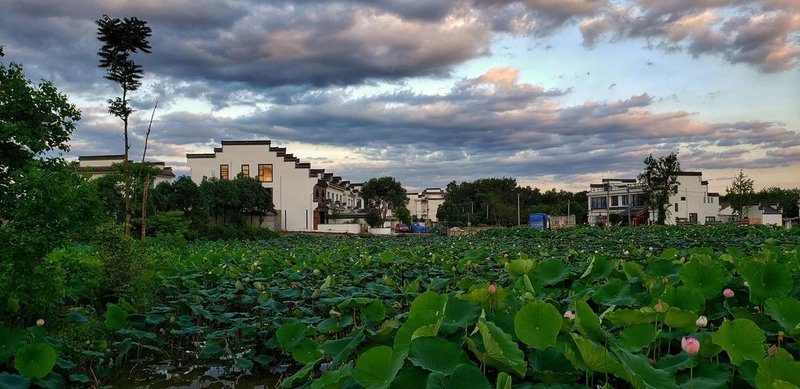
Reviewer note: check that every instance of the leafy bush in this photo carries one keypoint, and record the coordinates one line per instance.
(121, 263)
(82, 271)
(373, 218)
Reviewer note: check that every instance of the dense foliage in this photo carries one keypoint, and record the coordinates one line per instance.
(493, 201)
(658, 181)
(383, 194)
(380, 312)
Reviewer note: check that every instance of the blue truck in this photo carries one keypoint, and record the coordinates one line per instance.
(539, 221)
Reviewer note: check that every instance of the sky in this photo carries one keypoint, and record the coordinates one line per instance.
(555, 93)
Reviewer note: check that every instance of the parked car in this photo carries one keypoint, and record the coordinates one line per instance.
(401, 227)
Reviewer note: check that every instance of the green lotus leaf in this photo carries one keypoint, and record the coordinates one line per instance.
(10, 341)
(766, 280)
(35, 360)
(596, 357)
(686, 298)
(587, 322)
(614, 292)
(373, 312)
(290, 335)
(377, 367)
(464, 376)
(637, 337)
(497, 349)
(642, 375)
(742, 339)
(771, 369)
(681, 320)
(460, 314)
(630, 317)
(537, 324)
(300, 377)
(13, 381)
(341, 349)
(116, 317)
(550, 272)
(519, 267)
(786, 312)
(706, 278)
(333, 379)
(503, 381)
(410, 377)
(306, 351)
(436, 354)
(211, 351)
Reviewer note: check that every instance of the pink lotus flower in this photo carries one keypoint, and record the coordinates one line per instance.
(701, 321)
(665, 280)
(728, 293)
(659, 307)
(492, 288)
(690, 345)
(773, 350)
(569, 315)
(39, 322)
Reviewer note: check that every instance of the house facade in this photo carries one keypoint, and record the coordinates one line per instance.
(692, 203)
(304, 198)
(101, 165)
(424, 205)
(754, 214)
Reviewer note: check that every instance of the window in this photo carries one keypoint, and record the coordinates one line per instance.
(683, 198)
(676, 207)
(264, 172)
(598, 202)
(614, 201)
(625, 200)
(246, 170)
(223, 172)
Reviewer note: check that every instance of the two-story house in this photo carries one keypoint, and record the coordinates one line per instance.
(424, 205)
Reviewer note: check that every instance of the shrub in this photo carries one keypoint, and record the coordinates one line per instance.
(373, 218)
(82, 271)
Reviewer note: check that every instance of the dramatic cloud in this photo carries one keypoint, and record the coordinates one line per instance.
(763, 34)
(490, 125)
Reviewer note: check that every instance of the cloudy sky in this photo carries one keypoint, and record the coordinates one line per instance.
(556, 93)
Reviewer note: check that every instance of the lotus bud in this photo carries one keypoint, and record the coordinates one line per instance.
(626, 252)
(659, 307)
(39, 322)
(651, 361)
(569, 315)
(780, 336)
(701, 321)
(665, 281)
(690, 345)
(333, 313)
(728, 293)
(492, 288)
(746, 284)
(773, 350)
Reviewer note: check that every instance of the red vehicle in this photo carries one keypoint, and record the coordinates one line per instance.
(401, 227)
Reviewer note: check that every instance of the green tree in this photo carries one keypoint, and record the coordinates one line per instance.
(740, 193)
(34, 119)
(403, 214)
(384, 193)
(659, 181)
(120, 38)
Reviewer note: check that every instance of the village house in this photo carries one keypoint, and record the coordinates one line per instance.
(424, 205)
(101, 165)
(692, 203)
(305, 199)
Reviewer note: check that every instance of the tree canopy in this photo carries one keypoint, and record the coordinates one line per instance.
(659, 181)
(740, 193)
(384, 194)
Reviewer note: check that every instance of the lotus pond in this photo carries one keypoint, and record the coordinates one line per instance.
(509, 308)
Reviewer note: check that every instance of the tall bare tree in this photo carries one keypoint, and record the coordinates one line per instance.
(120, 38)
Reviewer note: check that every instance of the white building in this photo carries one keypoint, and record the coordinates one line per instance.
(303, 197)
(754, 214)
(692, 203)
(424, 205)
(101, 165)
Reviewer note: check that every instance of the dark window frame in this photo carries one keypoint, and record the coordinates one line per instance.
(261, 172)
(224, 174)
(245, 166)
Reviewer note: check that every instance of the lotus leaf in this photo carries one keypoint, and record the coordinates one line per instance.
(537, 324)
(377, 367)
(741, 339)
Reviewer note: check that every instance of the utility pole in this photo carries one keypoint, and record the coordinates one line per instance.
(519, 222)
(628, 198)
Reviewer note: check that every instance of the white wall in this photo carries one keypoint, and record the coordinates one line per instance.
(340, 228)
(292, 188)
(692, 197)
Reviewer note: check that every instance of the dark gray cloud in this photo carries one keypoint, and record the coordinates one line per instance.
(760, 33)
(491, 125)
